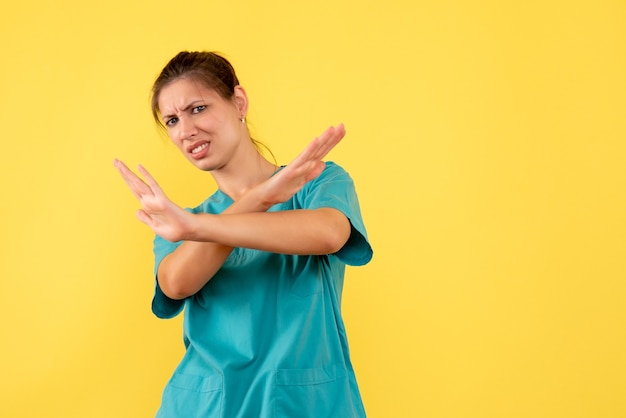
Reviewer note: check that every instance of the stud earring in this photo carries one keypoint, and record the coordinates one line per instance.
(243, 120)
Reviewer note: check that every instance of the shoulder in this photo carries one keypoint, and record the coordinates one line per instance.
(333, 167)
(333, 172)
(332, 187)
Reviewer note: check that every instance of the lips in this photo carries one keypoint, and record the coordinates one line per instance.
(198, 149)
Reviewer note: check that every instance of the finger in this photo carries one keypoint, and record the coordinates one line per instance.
(137, 186)
(318, 148)
(143, 216)
(327, 141)
(151, 181)
(123, 170)
(315, 149)
(335, 137)
(324, 139)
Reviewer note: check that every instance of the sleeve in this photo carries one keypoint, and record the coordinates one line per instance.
(334, 188)
(163, 306)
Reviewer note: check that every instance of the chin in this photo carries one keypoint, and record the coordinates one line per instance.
(204, 165)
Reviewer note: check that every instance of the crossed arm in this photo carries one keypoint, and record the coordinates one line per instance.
(209, 239)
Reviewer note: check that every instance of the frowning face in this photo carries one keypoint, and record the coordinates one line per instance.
(204, 126)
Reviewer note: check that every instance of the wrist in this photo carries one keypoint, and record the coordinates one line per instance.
(198, 226)
(256, 200)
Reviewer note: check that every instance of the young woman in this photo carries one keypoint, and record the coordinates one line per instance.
(258, 267)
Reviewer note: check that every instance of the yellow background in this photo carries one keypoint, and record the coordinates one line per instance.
(487, 142)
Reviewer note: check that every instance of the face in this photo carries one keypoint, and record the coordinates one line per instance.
(206, 128)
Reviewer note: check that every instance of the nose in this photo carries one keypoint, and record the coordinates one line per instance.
(186, 129)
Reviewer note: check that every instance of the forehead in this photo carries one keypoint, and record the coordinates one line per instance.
(180, 93)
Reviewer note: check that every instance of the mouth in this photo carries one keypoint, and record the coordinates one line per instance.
(199, 149)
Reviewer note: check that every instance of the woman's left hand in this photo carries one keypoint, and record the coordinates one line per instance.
(304, 168)
(157, 211)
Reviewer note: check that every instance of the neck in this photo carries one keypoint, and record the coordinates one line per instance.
(246, 174)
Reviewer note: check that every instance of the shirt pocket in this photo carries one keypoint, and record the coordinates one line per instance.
(319, 392)
(191, 396)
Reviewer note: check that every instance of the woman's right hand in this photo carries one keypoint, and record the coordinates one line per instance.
(157, 211)
(304, 168)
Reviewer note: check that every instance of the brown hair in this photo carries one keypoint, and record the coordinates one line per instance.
(209, 68)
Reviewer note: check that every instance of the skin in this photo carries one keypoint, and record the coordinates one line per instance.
(208, 131)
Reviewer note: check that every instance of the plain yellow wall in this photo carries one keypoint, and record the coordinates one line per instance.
(487, 142)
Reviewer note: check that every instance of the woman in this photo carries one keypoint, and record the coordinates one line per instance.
(258, 266)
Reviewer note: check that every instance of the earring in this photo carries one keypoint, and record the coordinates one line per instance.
(243, 120)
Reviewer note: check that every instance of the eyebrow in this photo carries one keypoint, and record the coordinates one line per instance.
(184, 109)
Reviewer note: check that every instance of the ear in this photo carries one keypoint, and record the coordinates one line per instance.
(241, 101)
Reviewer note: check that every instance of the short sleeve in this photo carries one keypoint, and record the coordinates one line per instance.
(334, 188)
(163, 306)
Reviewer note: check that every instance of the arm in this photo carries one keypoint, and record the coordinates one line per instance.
(183, 272)
(301, 232)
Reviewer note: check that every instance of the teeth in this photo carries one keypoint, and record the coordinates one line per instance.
(199, 148)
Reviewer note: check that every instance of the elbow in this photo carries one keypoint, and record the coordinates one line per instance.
(172, 288)
(336, 243)
(181, 277)
(338, 233)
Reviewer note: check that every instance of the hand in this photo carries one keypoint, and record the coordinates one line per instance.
(158, 212)
(304, 168)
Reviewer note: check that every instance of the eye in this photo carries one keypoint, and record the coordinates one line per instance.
(198, 109)
(171, 122)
